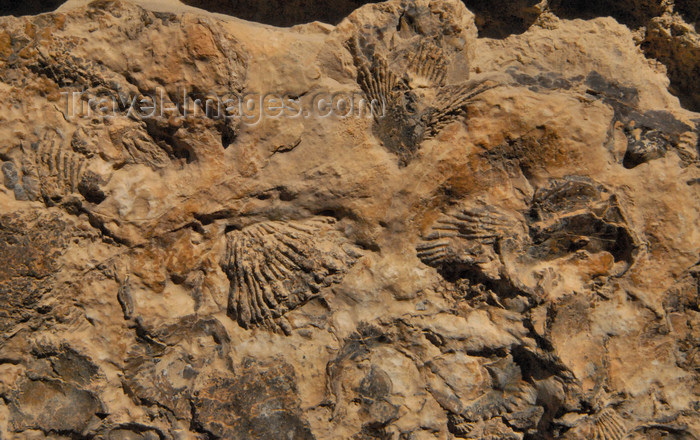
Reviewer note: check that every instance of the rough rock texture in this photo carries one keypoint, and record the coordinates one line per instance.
(508, 250)
(665, 30)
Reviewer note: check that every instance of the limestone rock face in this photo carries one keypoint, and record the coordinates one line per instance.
(392, 227)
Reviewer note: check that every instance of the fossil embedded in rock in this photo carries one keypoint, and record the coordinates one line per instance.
(412, 107)
(57, 169)
(261, 402)
(575, 214)
(428, 65)
(522, 278)
(454, 237)
(450, 102)
(458, 425)
(276, 266)
(609, 425)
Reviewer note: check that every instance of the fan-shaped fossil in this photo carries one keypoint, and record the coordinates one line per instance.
(276, 266)
(455, 236)
(57, 170)
(428, 65)
(417, 104)
(608, 425)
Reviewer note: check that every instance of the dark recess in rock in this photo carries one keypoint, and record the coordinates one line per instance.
(29, 7)
(89, 187)
(690, 10)
(633, 13)
(494, 19)
(502, 18)
(671, 43)
(282, 13)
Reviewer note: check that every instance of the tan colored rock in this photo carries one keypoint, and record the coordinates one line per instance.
(507, 248)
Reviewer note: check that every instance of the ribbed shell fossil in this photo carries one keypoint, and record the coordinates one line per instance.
(276, 266)
(57, 170)
(416, 104)
(609, 425)
(451, 238)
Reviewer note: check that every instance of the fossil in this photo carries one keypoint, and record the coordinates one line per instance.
(652, 134)
(276, 266)
(125, 300)
(458, 425)
(147, 384)
(428, 65)
(48, 170)
(516, 398)
(59, 170)
(493, 429)
(608, 425)
(456, 236)
(260, 402)
(684, 295)
(511, 397)
(568, 194)
(573, 214)
(416, 105)
(140, 148)
(162, 371)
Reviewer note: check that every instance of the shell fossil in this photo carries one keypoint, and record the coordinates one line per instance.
(576, 213)
(276, 266)
(57, 170)
(608, 425)
(572, 217)
(450, 237)
(416, 105)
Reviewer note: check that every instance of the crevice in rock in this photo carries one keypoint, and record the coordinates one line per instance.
(503, 287)
(196, 426)
(107, 236)
(209, 218)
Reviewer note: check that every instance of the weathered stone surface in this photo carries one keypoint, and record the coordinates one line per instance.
(260, 403)
(507, 248)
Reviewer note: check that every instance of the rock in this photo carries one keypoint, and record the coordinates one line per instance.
(10, 174)
(53, 406)
(261, 403)
(408, 220)
(676, 44)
